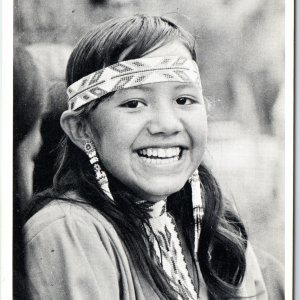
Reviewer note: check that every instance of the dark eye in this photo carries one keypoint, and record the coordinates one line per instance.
(184, 101)
(133, 104)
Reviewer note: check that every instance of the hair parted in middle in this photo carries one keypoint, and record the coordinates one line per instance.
(223, 239)
(123, 39)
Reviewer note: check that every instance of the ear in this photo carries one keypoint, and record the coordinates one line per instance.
(76, 128)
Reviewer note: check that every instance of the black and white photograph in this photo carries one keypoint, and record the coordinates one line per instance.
(152, 150)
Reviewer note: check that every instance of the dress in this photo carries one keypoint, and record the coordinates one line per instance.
(73, 252)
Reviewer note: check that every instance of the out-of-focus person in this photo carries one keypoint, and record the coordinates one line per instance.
(52, 133)
(28, 103)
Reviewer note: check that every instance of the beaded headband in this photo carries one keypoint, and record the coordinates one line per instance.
(131, 73)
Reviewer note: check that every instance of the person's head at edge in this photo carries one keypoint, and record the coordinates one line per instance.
(223, 238)
(28, 92)
(51, 133)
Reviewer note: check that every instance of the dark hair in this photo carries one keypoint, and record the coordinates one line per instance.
(223, 238)
(103, 46)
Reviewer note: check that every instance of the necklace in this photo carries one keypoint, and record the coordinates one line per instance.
(168, 250)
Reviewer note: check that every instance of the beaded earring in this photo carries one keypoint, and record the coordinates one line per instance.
(90, 150)
(198, 210)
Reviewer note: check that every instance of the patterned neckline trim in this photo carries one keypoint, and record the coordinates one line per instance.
(168, 250)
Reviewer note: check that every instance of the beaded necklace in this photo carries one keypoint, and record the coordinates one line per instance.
(168, 250)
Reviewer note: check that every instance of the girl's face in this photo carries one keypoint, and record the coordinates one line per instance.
(152, 137)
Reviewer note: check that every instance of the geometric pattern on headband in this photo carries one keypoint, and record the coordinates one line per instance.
(131, 73)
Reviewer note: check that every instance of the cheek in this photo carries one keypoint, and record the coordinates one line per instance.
(114, 136)
(197, 128)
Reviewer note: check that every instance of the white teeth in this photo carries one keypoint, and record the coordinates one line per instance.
(169, 152)
(163, 153)
(159, 161)
(160, 156)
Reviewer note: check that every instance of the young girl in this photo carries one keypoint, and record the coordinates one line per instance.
(134, 213)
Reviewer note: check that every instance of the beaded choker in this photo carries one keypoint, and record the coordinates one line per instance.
(131, 73)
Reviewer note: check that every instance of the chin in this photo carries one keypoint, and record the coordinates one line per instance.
(160, 191)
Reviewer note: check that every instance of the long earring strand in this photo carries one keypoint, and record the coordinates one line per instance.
(90, 150)
(198, 210)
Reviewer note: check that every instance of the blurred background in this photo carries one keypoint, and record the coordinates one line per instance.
(241, 60)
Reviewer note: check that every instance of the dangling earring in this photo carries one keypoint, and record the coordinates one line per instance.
(90, 150)
(198, 210)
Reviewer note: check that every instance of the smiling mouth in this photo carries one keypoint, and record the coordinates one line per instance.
(156, 155)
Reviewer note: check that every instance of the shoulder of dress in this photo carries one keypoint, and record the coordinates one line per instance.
(267, 260)
(272, 272)
(69, 213)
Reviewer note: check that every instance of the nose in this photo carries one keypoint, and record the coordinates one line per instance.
(165, 120)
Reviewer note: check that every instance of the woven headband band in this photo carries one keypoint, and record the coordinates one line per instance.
(131, 73)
